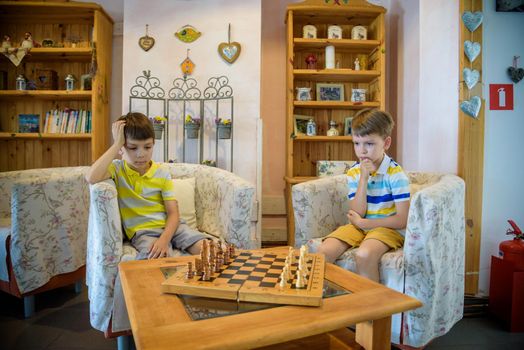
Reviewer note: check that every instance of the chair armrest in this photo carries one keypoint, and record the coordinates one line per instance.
(104, 251)
(49, 216)
(434, 257)
(224, 204)
(319, 206)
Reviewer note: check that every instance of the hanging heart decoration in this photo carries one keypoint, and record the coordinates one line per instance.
(471, 77)
(515, 74)
(472, 106)
(472, 50)
(472, 20)
(146, 42)
(231, 50)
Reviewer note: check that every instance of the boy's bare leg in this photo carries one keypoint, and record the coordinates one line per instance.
(332, 248)
(368, 257)
(196, 248)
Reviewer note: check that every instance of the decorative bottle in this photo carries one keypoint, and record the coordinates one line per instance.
(333, 131)
(311, 128)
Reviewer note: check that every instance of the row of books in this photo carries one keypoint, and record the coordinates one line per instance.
(67, 121)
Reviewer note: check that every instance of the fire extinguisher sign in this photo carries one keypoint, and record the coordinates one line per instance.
(501, 97)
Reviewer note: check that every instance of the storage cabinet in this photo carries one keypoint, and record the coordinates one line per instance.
(80, 38)
(302, 151)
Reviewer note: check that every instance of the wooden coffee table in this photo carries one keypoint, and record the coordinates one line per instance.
(160, 321)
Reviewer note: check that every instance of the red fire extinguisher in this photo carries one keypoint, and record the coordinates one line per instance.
(513, 250)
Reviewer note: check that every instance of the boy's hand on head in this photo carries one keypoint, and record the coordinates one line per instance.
(117, 130)
(159, 249)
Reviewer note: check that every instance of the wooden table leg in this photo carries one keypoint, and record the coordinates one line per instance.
(374, 335)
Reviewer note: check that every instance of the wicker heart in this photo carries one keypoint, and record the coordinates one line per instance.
(146, 42)
(229, 51)
(472, 107)
(471, 77)
(472, 49)
(472, 20)
(516, 74)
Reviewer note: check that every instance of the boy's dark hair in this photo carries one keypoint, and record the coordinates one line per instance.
(372, 121)
(138, 126)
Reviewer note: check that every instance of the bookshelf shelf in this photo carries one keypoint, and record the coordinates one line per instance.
(32, 135)
(47, 94)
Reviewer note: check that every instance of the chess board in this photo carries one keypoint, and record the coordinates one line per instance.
(254, 276)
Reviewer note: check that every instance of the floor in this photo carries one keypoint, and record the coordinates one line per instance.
(62, 322)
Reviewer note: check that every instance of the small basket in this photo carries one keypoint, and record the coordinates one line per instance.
(224, 131)
(159, 131)
(192, 130)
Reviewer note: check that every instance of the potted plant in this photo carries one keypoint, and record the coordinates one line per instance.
(192, 127)
(158, 126)
(223, 128)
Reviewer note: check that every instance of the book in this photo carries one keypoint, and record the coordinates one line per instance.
(28, 123)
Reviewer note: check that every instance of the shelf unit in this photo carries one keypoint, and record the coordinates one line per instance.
(303, 152)
(85, 32)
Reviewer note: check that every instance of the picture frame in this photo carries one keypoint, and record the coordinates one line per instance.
(347, 126)
(28, 123)
(303, 94)
(86, 82)
(330, 92)
(509, 6)
(300, 124)
(358, 95)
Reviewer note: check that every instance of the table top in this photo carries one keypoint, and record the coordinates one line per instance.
(160, 320)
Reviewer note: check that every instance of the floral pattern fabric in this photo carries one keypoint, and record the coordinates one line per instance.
(48, 209)
(223, 203)
(430, 266)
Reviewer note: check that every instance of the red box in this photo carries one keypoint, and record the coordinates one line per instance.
(506, 291)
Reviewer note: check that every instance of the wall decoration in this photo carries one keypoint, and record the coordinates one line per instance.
(146, 42)
(472, 106)
(471, 77)
(516, 74)
(472, 20)
(188, 34)
(231, 50)
(471, 49)
(309, 31)
(187, 65)
(501, 97)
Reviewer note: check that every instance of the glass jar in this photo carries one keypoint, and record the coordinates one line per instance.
(333, 131)
(311, 128)
(21, 82)
(70, 82)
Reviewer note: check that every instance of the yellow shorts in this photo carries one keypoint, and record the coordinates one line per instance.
(354, 236)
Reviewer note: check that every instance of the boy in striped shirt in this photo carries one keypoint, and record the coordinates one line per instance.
(378, 194)
(146, 200)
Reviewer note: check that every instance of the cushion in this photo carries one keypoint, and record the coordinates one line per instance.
(185, 195)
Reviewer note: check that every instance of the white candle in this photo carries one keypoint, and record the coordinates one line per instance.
(330, 57)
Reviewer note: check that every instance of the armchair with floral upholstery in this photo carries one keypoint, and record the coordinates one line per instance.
(224, 205)
(43, 231)
(430, 266)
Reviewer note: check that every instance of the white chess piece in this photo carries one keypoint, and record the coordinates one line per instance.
(283, 280)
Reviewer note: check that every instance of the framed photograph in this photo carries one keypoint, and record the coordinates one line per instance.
(358, 95)
(303, 94)
(347, 126)
(28, 123)
(330, 92)
(510, 6)
(301, 124)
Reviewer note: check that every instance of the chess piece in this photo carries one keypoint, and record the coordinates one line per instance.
(206, 275)
(282, 282)
(198, 266)
(299, 283)
(189, 273)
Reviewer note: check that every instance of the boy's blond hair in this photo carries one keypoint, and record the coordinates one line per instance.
(138, 126)
(372, 121)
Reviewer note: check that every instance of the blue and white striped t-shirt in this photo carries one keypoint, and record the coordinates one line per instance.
(389, 184)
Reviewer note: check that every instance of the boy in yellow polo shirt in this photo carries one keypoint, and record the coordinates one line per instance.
(146, 200)
(378, 197)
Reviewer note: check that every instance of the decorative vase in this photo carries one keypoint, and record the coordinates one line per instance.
(224, 131)
(159, 131)
(192, 130)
